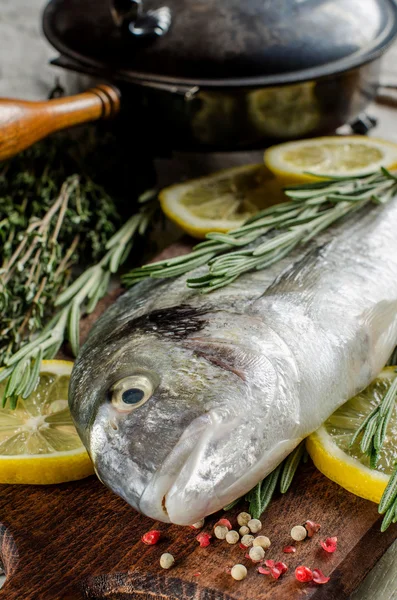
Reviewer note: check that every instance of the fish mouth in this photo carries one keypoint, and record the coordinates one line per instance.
(154, 501)
(180, 493)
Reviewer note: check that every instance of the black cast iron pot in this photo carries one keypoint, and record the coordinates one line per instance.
(225, 74)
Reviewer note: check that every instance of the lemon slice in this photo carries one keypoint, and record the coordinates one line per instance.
(38, 441)
(329, 446)
(337, 155)
(221, 201)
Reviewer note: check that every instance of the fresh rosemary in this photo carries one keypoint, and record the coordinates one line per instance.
(81, 297)
(374, 427)
(388, 503)
(312, 208)
(373, 434)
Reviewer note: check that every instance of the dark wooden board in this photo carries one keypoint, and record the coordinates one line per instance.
(79, 541)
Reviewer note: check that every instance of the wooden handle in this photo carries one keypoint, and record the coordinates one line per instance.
(22, 123)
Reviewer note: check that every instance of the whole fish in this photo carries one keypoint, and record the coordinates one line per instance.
(185, 401)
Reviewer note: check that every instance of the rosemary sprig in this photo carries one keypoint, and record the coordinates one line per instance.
(262, 494)
(274, 232)
(373, 434)
(388, 503)
(374, 427)
(81, 297)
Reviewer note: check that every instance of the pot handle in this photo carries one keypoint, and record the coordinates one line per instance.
(131, 17)
(22, 123)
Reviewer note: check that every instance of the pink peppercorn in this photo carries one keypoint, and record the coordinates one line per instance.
(275, 573)
(204, 539)
(303, 574)
(264, 571)
(224, 523)
(289, 549)
(281, 566)
(319, 577)
(269, 563)
(274, 569)
(330, 544)
(312, 528)
(151, 537)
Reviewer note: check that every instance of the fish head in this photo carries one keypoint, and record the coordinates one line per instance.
(171, 422)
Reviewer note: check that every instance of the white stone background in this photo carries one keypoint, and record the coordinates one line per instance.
(25, 73)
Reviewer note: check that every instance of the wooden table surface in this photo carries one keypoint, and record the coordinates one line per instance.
(24, 73)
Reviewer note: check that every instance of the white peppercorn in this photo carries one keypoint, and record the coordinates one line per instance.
(199, 524)
(247, 540)
(244, 530)
(166, 560)
(256, 553)
(232, 537)
(238, 572)
(298, 533)
(243, 518)
(220, 532)
(262, 541)
(254, 525)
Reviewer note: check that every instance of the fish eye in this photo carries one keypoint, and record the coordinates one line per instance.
(131, 392)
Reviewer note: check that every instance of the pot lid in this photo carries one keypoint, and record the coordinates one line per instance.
(221, 42)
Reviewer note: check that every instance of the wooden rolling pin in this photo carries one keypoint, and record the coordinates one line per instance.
(22, 123)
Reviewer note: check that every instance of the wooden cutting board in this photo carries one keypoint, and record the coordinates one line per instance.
(79, 541)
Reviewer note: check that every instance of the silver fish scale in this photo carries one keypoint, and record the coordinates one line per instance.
(339, 304)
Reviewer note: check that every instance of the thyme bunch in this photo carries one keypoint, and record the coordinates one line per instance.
(79, 298)
(50, 219)
(56, 213)
(274, 232)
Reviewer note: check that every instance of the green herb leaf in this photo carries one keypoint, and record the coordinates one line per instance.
(390, 493)
(290, 466)
(389, 517)
(374, 427)
(273, 233)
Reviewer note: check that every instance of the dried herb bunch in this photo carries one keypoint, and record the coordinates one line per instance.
(50, 219)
